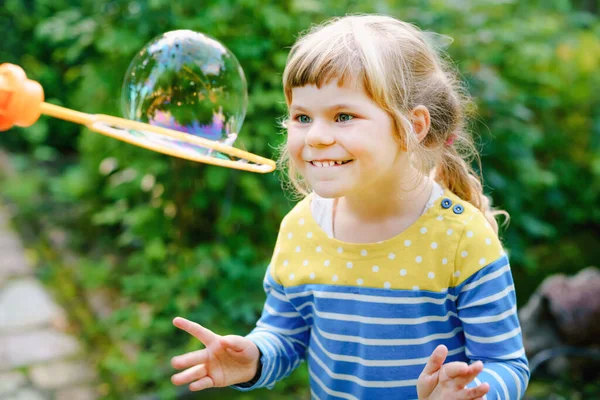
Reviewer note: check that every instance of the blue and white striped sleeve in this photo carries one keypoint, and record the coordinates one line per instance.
(281, 334)
(487, 308)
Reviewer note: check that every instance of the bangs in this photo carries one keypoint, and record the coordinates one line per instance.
(320, 63)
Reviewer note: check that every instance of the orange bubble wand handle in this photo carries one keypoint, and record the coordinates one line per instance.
(20, 98)
(22, 103)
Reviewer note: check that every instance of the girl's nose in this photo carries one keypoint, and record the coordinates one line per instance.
(319, 135)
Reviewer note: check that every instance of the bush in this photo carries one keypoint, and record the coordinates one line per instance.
(168, 237)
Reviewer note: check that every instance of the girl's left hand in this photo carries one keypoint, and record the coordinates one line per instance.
(448, 381)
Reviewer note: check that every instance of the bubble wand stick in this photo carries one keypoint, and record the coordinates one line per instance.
(22, 103)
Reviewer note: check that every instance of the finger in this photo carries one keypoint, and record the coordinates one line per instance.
(206, 336)
(473, 370)
(189, 375)
(476, 392)
(436, 360)
(454, 369)
(426, 384)
(233, 342)
(471, 373)
(204, 383)
(190, 359)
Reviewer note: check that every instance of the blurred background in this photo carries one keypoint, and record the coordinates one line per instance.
(124, 239)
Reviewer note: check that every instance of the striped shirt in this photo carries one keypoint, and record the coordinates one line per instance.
(366, 317)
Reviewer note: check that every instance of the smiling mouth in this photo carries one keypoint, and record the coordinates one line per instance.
(329, 163)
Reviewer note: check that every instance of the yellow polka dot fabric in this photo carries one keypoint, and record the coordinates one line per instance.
(443, 248)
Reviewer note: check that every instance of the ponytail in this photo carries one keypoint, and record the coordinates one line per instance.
(458, 176)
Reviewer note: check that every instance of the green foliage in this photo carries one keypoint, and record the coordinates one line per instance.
(167, 237)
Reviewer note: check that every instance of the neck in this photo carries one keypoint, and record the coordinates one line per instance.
(382, 201)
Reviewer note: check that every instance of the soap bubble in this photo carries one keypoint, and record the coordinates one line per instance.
(189, 82)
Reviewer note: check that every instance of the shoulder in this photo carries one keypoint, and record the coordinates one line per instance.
(287, 238)
(298, 213)
(478, 244)
(461, 212)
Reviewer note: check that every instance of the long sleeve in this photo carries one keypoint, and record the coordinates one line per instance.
(281, 334)
(487, 307)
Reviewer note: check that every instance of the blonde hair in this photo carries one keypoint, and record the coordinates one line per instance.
(400, 70)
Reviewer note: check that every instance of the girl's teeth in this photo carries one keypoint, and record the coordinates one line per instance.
(326, 163)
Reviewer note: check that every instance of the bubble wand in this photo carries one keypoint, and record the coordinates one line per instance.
(22, 103)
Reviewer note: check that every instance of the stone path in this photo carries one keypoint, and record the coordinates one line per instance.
(39, 359)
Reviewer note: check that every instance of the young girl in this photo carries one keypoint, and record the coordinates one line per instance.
(388, 277)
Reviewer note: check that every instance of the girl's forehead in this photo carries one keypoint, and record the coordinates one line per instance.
(333, 89)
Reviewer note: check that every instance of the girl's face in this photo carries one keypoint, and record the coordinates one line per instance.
(341, 141)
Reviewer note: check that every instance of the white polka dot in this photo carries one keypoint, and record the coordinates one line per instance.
(407, 243)
(283, 224)
(364, 253)
(326, 263)
(290, 235)
(334, 278)
(297, 249)
(415, 287)
(359, 281)
(319, 249)
(488, 241)
(470, 234)
(423, 230)
(434, 245)
(305, 263)
(403, 272)
(419, 259)
(440, 218)
(375, 268)
(391, 256)
(431, 275)
(449, 232)
(387, 285)
(482, 261)
(349, 264)
(301, 221)
(464, 253)
(457, 274)
(309, 235)
(312, 275)
(340, 250)
(444, 261)
(291, 276)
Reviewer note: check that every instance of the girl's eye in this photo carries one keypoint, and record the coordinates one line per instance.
(344, 117)
(303, 119)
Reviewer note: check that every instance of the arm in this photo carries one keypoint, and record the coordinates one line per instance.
(486, 305)
(281, 335)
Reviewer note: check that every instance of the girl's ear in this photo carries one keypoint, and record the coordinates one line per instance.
(421, 121)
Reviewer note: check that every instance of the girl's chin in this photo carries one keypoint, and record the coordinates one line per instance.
(328, 190)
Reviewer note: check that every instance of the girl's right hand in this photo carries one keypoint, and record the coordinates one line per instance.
(226, 360)
(440, 381)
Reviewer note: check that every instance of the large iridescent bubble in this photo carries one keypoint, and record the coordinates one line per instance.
(189, 82)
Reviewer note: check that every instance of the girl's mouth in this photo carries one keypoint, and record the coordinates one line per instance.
(328, 163)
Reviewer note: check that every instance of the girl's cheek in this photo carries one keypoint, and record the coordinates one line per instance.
(295, 140)
(294, 148)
